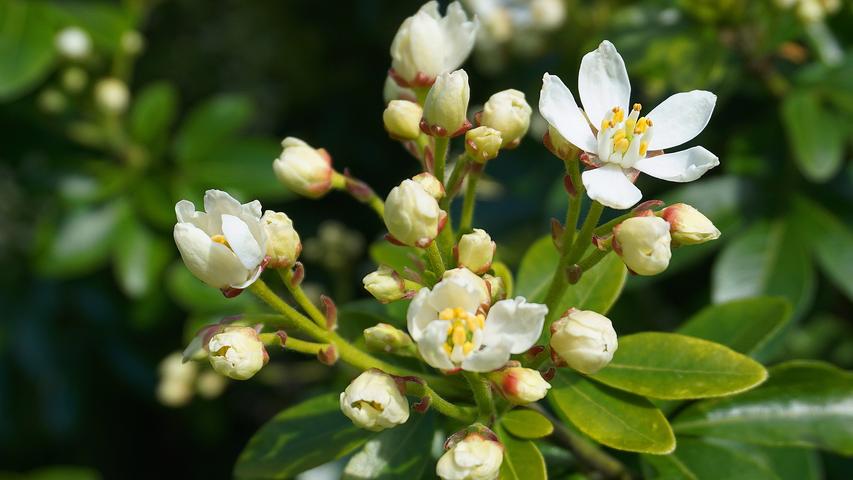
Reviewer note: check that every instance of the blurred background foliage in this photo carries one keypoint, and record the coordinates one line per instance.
(94, 294)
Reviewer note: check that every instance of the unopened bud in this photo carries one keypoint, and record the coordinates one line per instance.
(373, 402)
(688, 226)
(474, 457)
(446, 105)
(644, 244)
(496, 287)
(412, 215)
(237, 352)
(430, 184)
(385, 284)
(584, 339)
(520, 386)
(283, 244)
(508, 113)
(73, 43)
(483, 143)
(393, 91)
(475, 251)
(387, 338)
(402, 119)
(111, 95)
(303, 169)
(175, 385)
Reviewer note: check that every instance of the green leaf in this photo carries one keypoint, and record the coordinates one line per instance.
(744, 325)
(140, 259)
(193, 295)
(788, 463)
(210, 125)
(299, 438)
(243, 166)
(153, 113)
(816, 135)
(522, 459)
(26, 46)
(697, 459)
(597, 289)
(831, 240)
(395, 256)
(526, 423)
(677, 367)
(399, 452)
(803, 404)
(104, 22)
(768, 259)
(612, 417)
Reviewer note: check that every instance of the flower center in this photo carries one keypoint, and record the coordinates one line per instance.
(220, 239)
(463, 334)
(622, 140)
(362, 404)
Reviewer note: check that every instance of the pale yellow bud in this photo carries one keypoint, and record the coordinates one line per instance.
(402, 119)
(386, 338)
(112, 95)
(412, 215)
(483, 143)
(446, 104)
(688, 226)
(303, 169)
(373, 402)
(385, 284)
(520, 386)
(430, 184)
(237, 352)
(283, 244)
(73, 43)
(473, 458)
(508, 113)
(496, 287)
(475, 251)
(584, 339)
(644, 244)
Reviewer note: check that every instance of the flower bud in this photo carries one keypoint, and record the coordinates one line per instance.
(688, 226)
(175, 386)
(471, 280)
(446, 105)
(402, 119)
(496, 287)
(508, 113)
(385, 285)
(386, 338)
(74, 79)
(430, 184)
(210, 385)
(559, 146)
(283, 244)
(643, 243)
(373, 402)
(111, 95)
(475, 251)
(520, 385)
(585, 340)
(237, 352)
(547, 14)
(473, 458)
(483, 143)
(412, 215)
(73, 43)
(304, 169)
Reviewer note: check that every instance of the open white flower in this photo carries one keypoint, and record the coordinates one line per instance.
(225, 245)
(452, 332)
(621, 144)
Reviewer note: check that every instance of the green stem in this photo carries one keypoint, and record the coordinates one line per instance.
(585, 236)
(302, 299)
(295, 344)
(366, 195)
(436, 264)
(463, 414)
(482, 395)
(455, 177)
(470, 199)
(440, 157)
(592, 259)
(292, 317)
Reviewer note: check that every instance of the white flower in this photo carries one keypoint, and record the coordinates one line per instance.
(412, 215)
(644, 244)
(373, 402)
(385, 284)
(73, 42)
(508, 113)
(472, 280)
(621, 146)
(446, 104)
(225, 245)
(584, 339)
(688, 226)
(520, 385)
(475, 251)
(283, 244)
(473, 458)
(427, 44)
(303, 168)
(402, 119)
(237, 352)
(112, 95)
(451, 332)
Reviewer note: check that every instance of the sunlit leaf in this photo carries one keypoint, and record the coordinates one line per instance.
(522, 460)
(525, 423)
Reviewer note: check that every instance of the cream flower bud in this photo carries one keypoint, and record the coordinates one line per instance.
(373, 402)
(412, 215)
(472, 280)
(496, 287)
(111, 95)
(688, 226)
(584, 339)
(304, 169)
(446, 104)
(74, 43)
(473, 458)
(475, 251)
(283, 244)
(387, 338)
(643, 243)
(430, 184)
(237, 352)
(483, 143)
(175, 386)
(402, 119)
(520, 385)
(210, 384)
(392, 91)
(508, 113)
(385, 284)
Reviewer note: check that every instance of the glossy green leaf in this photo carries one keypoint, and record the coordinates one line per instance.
(522, 459)
(744, 325)
(597, 289)
(526, 423)
(815, 133)
(210, 125)
(395, 256)
(697, 459)
(26, 46)
(803, 404)
(768, 259)
(831, 240)
(140, 259)
(153, 113)
(299, 438)
(399, 452)
(243, 166)
(670, 366)
(788, 463)
(612, 417)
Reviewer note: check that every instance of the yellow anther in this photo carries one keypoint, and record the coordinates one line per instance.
(447, 349)
(459, 335)
(618, 115)
(630, 124)
(460, 313)
(637, 107)
(604, 125)
(648, 121)
(620, 134)
(446, 314)
(643, 147)
(220, 239)
(642, 125)
(621, 146)
(467, 347)
(481, 319)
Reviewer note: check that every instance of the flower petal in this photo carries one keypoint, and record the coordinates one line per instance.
(431, 345)
(680, 118)
(186, 213)
(490, 357)
(516, 323)
(610, 186)
(242, 242)
(558, 107)
(603, 82)
(213, 263)
(420, 314)
(460, 35)
(454, 293)
(684, 166)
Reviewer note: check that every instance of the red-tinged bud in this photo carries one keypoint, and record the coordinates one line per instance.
(520, 386)
(328, 355)
(331, 312)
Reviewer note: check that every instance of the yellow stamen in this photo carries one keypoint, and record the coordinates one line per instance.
(446, 314)
(630, 124)
(643, 147)
(220, 239)
(604, 124)
(467, 347)
(637, 107)
(621, 146)
(620, 134)
(447, 349)
(459, 336)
